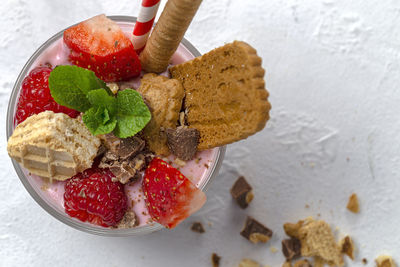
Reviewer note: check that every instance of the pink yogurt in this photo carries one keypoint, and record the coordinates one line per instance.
(197, 170)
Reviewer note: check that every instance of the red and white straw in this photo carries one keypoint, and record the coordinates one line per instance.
(144, 23)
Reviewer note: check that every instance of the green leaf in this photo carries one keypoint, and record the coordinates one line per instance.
(132, 114)
(69, 86)
(99, 121)
(101, 98)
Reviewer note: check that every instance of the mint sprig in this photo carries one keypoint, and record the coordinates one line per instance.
(80, 89)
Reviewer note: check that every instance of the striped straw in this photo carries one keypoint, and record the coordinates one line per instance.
(144, 23)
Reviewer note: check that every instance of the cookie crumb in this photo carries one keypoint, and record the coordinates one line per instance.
(353, 205)
(364, 261)
(129, 220)
(197, 227)
(302, 263)
(385, 261)
(255, 232)
(347, 246)
(273, 249)
(179, 162)
(248, 263)
(291, 248)
(215, 260)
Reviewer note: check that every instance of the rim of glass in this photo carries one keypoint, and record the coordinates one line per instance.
(141, 230)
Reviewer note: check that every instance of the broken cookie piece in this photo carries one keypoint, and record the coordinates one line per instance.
(291, 248)
(317, 239)
(129, 220)
(242, 192)
(302, 263)
(197, 227)
(347, 246)
(215, 259)
(385, 261)
(164, 97)
(353, 205)
(255, 232)
(183, 141)
(248, 263)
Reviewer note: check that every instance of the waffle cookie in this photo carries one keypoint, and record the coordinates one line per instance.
(164, 98)
(226, 99)
(53, 145)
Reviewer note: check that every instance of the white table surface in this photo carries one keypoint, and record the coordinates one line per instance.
(333, 72)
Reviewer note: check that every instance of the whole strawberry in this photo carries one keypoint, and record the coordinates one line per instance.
(170, 196)
(35, 96)
(92, 196)
(100, 45)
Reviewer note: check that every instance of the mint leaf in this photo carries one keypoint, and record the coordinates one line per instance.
(69, 86)
(132, 113)
(101, 98)
(98, 120)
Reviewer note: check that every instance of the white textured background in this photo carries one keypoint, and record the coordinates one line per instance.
(333, 72)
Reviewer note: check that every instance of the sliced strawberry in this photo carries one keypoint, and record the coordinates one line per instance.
(100, 45)
(170, 196)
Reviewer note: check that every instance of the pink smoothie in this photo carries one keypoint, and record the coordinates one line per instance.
(197, 170)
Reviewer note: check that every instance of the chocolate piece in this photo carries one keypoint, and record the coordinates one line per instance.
(123, 147)
(215, 259)
(125, 157)
(242, 192)
(347, 247)
(255, 231)
(302, 263)
(197, 227)
(364, 261)
(291, 248)
(183, 141)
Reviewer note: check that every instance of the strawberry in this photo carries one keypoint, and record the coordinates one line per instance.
(170, 196)
(100, 45)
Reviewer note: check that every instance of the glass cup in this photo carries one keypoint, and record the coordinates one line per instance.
(33, 187)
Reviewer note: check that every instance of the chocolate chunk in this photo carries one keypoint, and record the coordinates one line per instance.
(215, 259)
(183, 141)
(291, 248)
(126, 170)
(347, 247)
(255, 231)
(197, 227)
(123, 147)
(242, 192)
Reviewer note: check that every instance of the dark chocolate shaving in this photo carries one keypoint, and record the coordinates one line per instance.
(291, 248)
(255, 232)
(242, 192)
(197, 227)
(183, 141)
(215, 259)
